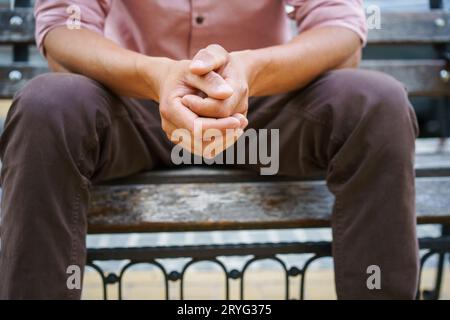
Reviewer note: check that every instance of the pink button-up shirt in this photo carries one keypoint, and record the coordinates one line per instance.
(179, 28)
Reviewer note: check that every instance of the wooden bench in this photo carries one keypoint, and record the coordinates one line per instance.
(145, 202)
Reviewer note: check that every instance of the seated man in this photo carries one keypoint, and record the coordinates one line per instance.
(130, 73)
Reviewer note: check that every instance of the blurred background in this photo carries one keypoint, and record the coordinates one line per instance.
(265, 281)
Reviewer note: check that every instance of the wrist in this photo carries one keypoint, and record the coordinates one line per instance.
(152, 71)
(251, 67)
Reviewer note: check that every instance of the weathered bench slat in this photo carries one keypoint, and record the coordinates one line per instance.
(17, 26)
(412, 27)
(421, 77)
(220, 206)
(396, 27)
(13, 77)
(433, 165)
(209, 198)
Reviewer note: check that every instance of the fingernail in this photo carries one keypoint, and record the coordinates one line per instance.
(186, 100)
(198, 64)
(225, 88)
(243, 121)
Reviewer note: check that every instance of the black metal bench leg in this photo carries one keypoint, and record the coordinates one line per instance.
(435, 293)
(21, 51)
(443, 113)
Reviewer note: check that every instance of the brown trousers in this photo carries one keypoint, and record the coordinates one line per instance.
(64, 132)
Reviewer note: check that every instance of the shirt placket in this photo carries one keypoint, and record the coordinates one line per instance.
(200, 22)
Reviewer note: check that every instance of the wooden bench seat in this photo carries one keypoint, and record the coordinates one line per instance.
(217, 199)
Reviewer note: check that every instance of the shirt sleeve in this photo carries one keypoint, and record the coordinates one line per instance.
(50, 14)
(310, 14)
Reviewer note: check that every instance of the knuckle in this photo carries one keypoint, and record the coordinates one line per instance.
(243, 104)
(218, 48)
(165, 127)
(212, 77)
(214, 46)
(205, 54)
(195, 107)
(200, 53)
(242, 88)
(224, 112)
(243, 108)
(221, 114)
(192, 125)
(189, 77)
(165, 113)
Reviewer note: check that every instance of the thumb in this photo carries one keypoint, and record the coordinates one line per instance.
(209, 59)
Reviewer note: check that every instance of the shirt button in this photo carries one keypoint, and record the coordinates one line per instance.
(200, 19)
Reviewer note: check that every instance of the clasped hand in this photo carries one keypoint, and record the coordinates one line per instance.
(205, 101)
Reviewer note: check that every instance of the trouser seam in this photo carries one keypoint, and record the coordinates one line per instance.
(75, 219)
(74, 246)
(338, 255)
